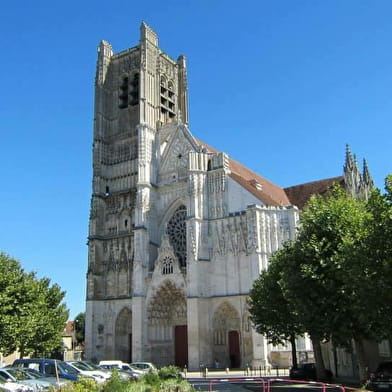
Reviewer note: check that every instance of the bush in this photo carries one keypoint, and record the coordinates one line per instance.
(175, 385)
(84, 384)
(151, 378)
(168, 372)
(168, 379)
(115, 384)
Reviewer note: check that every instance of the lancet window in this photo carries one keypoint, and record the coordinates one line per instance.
(123, 92)
(134, 93)
(128, 91)
(167, 97)
(167, 265)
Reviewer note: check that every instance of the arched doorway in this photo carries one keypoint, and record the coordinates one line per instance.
(167, 322)
(123, 336)
(226, 336)
(234, 349)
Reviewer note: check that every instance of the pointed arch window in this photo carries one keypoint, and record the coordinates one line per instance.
(167, 98)
(134, 93)
(167, 265)
(128, 93)
(123, 92)
(176, 230)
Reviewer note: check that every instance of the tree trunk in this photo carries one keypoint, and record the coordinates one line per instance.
(293, 351)
(320, 367)
(362, 364)
(335, 360)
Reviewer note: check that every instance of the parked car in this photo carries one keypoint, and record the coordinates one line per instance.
(122, 367)
(20, 376)
(100, 376)
(48, 367)
(304, 371)
(52, 380)
(308, 372)
(12, 386)
(145, 367)
(381, 379)
(93, 366)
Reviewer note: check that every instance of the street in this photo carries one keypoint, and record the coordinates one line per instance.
(256, 384)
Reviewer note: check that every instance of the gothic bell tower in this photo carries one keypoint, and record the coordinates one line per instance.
(137, 91)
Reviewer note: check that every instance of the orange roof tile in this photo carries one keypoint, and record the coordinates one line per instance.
(300, 194)
(264, 190)
(271, 194)
(69, 328)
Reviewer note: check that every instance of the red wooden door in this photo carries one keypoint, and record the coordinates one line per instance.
(181, 345)
(234, 349)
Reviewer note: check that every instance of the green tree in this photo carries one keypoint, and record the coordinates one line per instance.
(50, 315)
(270, 312)
(320, 271)
(11, 298)
(80, 321)
(375, 258)
(336, 277)
(35, 315)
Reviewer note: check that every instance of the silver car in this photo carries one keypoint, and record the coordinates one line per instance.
(145, 367)
(56, 382)
(20, 376)
(99, 375)
(13, 386)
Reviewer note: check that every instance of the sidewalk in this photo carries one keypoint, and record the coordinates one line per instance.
(237, 373)
(347, 383)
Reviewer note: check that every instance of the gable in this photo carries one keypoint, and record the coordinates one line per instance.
(175, 144)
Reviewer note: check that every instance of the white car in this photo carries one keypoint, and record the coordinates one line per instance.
(122, 367)
(21, 377)
(99, 376)
(11, 386)
(144, 367)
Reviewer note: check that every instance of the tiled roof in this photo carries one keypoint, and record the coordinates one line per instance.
(271, 194)
(300, 194)
(267, 192)
(69, 328)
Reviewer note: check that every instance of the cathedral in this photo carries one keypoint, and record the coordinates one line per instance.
(178, 231)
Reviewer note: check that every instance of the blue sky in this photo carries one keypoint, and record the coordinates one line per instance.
(281, 86)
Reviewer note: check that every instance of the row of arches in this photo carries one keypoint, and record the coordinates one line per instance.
(227, 338)
(167, 331)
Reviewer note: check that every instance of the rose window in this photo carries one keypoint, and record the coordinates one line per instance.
(176, 230)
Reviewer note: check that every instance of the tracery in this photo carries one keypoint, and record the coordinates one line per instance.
(176, 230)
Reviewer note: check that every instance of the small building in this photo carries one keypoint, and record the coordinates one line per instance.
(72, 350)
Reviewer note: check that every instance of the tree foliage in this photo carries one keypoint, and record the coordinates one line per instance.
(336, 277)
(80, 321)
(11, 299)
(320, 277)
(275, 319)
(320, 272)
(32, 314)
(376, 263)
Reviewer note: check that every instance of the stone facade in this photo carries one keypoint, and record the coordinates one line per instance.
(178, 231)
